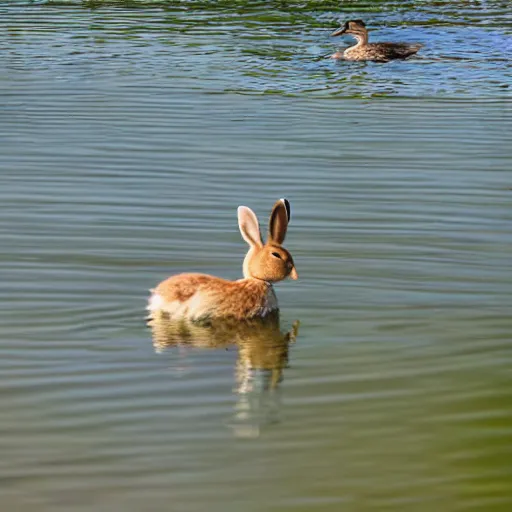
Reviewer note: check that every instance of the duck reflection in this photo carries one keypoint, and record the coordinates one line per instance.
(263, 355)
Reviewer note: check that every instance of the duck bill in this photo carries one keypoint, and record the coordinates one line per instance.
(293, 274)
(339, 32)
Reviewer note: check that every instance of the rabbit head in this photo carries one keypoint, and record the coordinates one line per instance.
(268, 261)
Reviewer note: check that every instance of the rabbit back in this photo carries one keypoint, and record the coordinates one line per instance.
(201, 296)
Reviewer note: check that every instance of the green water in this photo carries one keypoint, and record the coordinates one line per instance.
(129, 134)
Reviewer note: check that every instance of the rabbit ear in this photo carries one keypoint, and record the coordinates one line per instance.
(249, 227)
(279, 219)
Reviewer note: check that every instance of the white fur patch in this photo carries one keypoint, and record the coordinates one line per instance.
(195, 307)
(155, 303)
(198, 306)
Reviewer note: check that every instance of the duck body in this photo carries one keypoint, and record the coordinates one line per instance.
(377, 52)
(381, 52)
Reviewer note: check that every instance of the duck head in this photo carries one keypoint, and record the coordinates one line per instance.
(354, 27)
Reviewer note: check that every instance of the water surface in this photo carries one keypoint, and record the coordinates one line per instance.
(129, 134)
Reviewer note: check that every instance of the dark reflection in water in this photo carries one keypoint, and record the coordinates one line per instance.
(263, 354)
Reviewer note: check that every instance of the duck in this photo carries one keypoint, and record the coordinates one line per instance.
(377, 52)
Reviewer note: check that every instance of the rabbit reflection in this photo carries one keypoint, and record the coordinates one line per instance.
(263, 353)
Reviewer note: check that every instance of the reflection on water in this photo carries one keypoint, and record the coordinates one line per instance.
(263, 352)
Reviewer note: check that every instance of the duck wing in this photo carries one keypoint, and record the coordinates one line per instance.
(400, 50)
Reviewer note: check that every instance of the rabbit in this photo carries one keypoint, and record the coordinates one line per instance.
(202, 297)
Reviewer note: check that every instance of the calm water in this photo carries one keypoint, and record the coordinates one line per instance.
(130, 133)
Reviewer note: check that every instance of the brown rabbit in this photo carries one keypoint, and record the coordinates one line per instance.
(198, 297)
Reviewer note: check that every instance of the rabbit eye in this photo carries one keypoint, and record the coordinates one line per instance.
(277, 255)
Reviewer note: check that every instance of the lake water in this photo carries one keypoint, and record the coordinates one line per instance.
(129, 134)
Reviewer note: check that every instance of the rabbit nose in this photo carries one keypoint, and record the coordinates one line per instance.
(293, 274)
